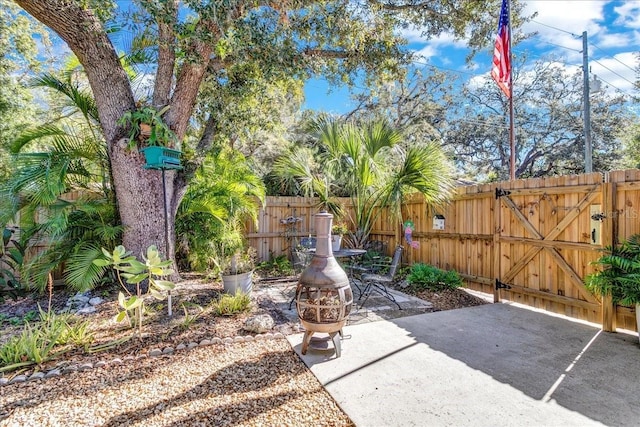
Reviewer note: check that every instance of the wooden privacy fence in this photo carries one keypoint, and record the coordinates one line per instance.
(530, 241)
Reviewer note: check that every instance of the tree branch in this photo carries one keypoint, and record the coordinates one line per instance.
(166, 54)
(84, 34)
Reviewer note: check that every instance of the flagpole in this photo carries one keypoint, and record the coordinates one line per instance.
(512, 131)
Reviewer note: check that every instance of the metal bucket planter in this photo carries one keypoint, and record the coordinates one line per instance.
(242, 282)
(336, 242)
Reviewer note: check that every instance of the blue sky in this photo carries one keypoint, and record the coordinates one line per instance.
(613, 29)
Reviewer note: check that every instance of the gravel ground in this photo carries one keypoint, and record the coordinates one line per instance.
(256, 383)
(260, 383)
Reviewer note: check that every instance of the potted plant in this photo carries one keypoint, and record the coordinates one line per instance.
(146, 126)
(338, 230)
(236, 269)
(619, 275)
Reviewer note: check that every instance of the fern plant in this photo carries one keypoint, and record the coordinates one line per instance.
(618, 273)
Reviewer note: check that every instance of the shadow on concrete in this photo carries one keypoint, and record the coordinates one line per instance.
(496, 364)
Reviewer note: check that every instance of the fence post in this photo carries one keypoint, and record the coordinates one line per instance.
(497, 229)
(607, 239)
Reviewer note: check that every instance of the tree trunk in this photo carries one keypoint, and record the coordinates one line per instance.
(140, 197)
(139, 192)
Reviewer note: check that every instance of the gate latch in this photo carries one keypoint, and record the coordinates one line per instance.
(501, 285)
(500, 192)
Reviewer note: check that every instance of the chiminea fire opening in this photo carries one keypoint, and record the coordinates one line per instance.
(323, 295)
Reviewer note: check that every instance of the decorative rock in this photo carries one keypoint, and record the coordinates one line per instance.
(128, 358)
(168, 350)
(238, 339)
(141, 356)
(180, 347)
(227, 340)
(268, 336)
(116, 361)
(4, 381)
(18, 379)
(79, 298)
(96, 301)
(259, 337)
(69, 369)
(259, 323)
(36, 376)
(87, 310)
(53, 373)
(248, 338)
(192, 345)
(100, 364)
(205, 342)
(85, 367)
(155, 352)
(278, 335)
(217, 340)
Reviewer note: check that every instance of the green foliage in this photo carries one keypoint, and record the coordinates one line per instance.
(137, 273)
(229, 305)
(211, 218)
(159, 134)
(276, 266)
(190, 318)
(51, 162)
(423, 276)
(11, 259)
(364, 162)
(45, 340)
(618, 273)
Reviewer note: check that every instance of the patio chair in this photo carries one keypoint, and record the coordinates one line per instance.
(302, 257)
(374, 282)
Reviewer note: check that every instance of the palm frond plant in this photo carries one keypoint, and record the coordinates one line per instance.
(210, 221)
(61, 189)
(366, 163)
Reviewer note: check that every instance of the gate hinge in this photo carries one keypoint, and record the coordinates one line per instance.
(500, 285)
(500, 192)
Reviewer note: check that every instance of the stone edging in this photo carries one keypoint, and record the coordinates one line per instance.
(155, 352)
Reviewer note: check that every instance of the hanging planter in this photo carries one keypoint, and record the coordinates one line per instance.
(161, 158)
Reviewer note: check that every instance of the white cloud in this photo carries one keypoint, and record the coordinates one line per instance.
(570, 16)
(616, 72)
(629, 14)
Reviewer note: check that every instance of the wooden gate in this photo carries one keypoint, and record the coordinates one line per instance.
(545, 238)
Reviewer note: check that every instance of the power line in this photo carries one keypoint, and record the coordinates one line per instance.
(555, 28)
(616, 88)
(560, 46)
(619, 75)
(613, 57)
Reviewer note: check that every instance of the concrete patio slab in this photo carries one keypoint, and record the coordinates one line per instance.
(491, 365)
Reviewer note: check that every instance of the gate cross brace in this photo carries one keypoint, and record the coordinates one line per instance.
(532, 252)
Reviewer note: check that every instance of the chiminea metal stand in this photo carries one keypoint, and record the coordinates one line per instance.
(323, 295)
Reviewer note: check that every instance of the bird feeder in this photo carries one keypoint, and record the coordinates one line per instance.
(161, 158)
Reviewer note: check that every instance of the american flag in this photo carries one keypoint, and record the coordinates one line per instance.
(501, 70)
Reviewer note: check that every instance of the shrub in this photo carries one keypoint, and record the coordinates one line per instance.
(45, 340)
(228, 305)
(11, 257)
(135, 273)
(277, 266)
(423, 276)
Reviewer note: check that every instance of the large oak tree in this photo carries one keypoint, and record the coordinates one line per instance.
(195, 43)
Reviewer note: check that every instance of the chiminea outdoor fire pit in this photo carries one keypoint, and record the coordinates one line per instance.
(323, 295)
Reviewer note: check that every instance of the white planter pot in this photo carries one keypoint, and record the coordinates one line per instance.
(336, 242)
(242, 282)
